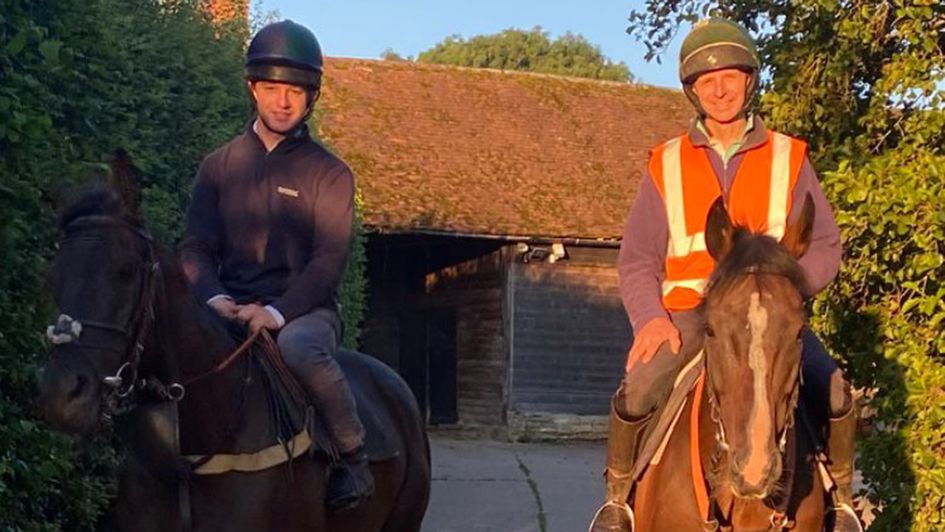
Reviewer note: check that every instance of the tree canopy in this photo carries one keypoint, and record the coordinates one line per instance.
(864, 83)
(533, 51)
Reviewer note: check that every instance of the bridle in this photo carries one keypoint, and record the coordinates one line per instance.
(125, 389)
(716, 413)
(779, 518)
(122, 385)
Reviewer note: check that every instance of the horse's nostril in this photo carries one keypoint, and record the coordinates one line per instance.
(79, 388)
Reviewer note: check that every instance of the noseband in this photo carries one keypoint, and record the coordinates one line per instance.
(715, 411)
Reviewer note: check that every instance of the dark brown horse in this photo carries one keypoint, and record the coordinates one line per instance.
(130, 330)
(758, 466)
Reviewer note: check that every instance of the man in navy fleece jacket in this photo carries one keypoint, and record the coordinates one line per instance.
(268, 232)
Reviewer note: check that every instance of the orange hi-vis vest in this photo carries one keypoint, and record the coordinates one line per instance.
(759, 199)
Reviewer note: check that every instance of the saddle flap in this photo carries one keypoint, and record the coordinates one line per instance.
(668, 415)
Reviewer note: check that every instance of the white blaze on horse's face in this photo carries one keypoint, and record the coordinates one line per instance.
(755, 355)
(760, 420)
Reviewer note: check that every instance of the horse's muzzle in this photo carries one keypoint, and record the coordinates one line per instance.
(764, 487)
(70, 398)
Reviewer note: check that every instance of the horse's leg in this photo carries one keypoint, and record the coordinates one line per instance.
(263, 501)
(143, 503)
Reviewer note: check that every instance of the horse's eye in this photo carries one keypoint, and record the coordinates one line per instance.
(709, 331)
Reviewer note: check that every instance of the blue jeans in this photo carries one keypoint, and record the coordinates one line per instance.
(308, 344)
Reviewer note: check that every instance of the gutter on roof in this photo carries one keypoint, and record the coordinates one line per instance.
(570, 241)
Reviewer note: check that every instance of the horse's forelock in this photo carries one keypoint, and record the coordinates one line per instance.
(99, 200)
(755, 253)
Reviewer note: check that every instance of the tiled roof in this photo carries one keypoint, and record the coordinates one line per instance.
(489, 152)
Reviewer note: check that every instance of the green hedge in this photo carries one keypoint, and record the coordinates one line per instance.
(885, 316)
(79, 78)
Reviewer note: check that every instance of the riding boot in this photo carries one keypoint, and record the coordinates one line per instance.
(623, 443)
(350, 482)
(840, 449)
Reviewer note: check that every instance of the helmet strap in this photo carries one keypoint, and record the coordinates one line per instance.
(313, 96)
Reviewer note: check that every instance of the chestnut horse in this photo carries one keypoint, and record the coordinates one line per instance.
(758, 470)
(131, 333)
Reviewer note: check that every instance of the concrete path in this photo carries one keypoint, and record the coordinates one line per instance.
(487, 486)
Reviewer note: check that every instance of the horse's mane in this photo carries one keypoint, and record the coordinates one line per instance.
(755, 253)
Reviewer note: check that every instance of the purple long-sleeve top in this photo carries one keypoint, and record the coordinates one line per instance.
(640, 264)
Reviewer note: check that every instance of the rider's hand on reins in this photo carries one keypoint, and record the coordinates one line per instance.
(225, 307)
(650, 338)
(257, 317)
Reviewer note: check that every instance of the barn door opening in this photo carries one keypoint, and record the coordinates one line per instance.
(441, 327)
(428, 361)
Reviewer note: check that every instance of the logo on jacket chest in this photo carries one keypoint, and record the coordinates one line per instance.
(286, 191)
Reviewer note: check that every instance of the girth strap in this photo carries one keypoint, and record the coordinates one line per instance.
(247, 462)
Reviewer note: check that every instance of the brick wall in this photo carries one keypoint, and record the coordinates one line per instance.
(569, 333)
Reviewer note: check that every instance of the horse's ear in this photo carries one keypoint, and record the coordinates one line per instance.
(719, 231)
(125, 179)
(796, 237)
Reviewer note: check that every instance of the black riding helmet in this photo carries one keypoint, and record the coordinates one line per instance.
(287, 52)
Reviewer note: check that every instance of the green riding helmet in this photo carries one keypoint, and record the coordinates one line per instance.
(286, 52)
(714, 44)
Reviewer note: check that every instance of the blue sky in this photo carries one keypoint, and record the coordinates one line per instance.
(365, 28)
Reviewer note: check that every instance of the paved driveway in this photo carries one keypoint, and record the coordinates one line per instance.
(486, 486)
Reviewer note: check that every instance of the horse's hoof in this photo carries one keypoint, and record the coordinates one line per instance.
(844, 519)
(613, 517)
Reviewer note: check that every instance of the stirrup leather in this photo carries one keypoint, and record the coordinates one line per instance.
(622, 507)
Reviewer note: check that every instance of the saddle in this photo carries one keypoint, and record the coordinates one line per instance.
(667, 416)
(296, 426)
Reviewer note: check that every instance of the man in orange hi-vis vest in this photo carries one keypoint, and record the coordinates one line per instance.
(663, 263)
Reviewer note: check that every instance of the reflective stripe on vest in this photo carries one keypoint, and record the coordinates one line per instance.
(767, 171)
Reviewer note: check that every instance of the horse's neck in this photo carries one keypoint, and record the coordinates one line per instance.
(191, 342)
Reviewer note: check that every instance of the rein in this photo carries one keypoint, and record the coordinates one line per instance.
(124, 383)
(228, 361)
